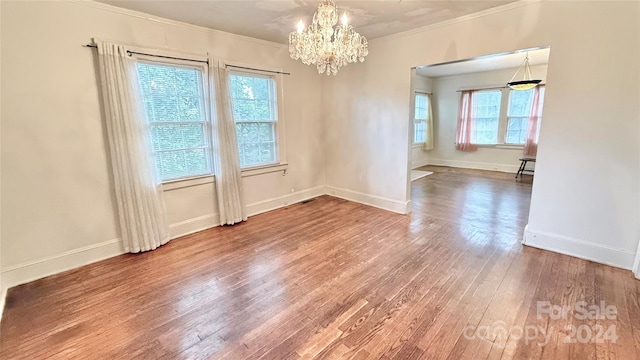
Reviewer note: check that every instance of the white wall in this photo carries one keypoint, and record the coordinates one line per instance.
(57, 206)
(585, 196)
(423, 84)
(446, 101)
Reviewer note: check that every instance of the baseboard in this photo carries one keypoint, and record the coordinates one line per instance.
(400, 207)
(194, 225)
(508, 168)
(282, 201)
(636, 263)
(421, 163)
(34, 270)
(3, 298)
(579, 248)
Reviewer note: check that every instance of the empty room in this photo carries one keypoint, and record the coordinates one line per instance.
(319, 179)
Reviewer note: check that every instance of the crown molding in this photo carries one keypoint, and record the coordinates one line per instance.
(479, 14)
(165, 21)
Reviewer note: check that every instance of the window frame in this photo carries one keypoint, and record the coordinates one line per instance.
(279, 123)
(499, 118)
(415, 119)
(206, 106)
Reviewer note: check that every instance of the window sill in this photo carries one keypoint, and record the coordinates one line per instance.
(416, 146)
(183, 183)
(210, 179)
(510, 147)
(500, 146)
(253, 171)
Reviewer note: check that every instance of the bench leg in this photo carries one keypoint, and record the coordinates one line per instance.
(523, 164)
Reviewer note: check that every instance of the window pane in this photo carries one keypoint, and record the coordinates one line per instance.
(520, 103)
(485, 116)
(177, 136)
(421, 106)
(173, 100)
(171, 93)
(256, 143)
(419, 131)
(252, 98)
(181, 163)
(516, 130)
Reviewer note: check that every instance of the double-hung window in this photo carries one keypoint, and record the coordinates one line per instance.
(485, 117)
(174, 100)
(420, 118)
(518, 113)
(501, 117)
(255, 111)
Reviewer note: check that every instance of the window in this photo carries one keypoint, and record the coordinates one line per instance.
(255, 111)
(518, 112)
(420, 118)
(494, 123)
(485, 116)
(174, 104)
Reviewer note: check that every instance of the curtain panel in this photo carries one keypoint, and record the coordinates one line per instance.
(138, 193)
(226, 158)
(428, 128)
(465, 123)
(533, 129)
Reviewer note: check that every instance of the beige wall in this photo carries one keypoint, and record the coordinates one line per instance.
(586, 192)
(56, 187)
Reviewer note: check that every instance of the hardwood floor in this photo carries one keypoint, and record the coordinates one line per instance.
(332, 279)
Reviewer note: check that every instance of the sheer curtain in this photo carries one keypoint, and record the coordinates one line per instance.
(465, 123)
(428, 126)
(141, 212)
(226, 160)
(533, 130)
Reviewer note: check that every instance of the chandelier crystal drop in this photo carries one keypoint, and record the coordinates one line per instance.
(326, 45)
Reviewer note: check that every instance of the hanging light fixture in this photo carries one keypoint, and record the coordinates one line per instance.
(326, 45)
(526, 83)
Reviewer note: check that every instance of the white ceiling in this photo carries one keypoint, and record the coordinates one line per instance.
(485, 63)
(274, 19)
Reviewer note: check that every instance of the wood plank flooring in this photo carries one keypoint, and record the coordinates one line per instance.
(332, 279)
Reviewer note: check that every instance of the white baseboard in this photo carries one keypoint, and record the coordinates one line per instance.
(400, 207)
(194, 225)
(579, 248)
(37, 269)
(477, 165)
(3, 298)
(636, 263)
(282, 201)
(420, 163)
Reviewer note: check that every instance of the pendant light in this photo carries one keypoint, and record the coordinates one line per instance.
(527, 82)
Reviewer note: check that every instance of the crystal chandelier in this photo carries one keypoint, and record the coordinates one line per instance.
(326, 45)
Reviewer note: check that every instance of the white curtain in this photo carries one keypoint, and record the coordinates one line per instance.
(141, 212)
(428, 126)
(226, 159)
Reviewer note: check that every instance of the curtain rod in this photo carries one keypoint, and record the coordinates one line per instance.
(248, 68)
(159, 56)
(484, 88)
(490, 88)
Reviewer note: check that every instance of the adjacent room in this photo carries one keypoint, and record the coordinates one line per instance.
(319, 179)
